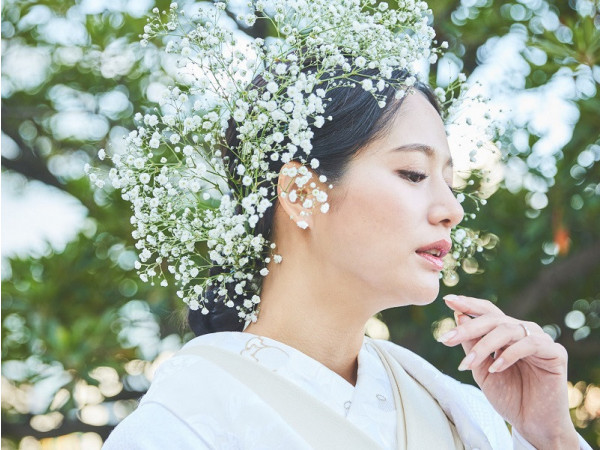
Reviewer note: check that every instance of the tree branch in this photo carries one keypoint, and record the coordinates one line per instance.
(258, 30)
(29, 164)
(32, 171)
(18, 431)
(552, 277)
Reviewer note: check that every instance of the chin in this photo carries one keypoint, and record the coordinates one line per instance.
(427, 293)
(424, 300)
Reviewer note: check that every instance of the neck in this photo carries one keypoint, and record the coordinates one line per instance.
(310, 311)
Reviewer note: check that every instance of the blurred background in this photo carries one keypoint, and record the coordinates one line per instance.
(82, 335)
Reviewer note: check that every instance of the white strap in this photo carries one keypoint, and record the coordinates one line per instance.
(417, 410)
(314, 421)
(401, 428)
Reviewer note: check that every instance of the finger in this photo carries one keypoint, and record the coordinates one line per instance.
(470, 305)
(472, 329)
(532, 327)
(534, 345)
(501, 336)
(467, 345)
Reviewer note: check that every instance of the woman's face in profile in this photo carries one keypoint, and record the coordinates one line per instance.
(392, 212)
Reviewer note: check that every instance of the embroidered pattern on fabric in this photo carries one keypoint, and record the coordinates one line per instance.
(271, 356)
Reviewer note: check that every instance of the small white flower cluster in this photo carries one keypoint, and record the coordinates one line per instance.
(466, 243)
(194, 194)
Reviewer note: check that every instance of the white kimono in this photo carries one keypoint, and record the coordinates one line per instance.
(228, 415)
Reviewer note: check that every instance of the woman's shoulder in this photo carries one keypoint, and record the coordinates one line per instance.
(153, 426)
(193, 400)
(187, 377)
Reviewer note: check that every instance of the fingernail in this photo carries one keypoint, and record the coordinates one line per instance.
(465, 363)
(447, 336)
(451, 297)
(496, 365)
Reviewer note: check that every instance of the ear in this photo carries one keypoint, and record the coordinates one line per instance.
(295, 190)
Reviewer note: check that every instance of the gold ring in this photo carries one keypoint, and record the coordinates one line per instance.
(527, 333)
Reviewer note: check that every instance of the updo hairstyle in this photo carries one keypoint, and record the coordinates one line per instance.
(357, 120)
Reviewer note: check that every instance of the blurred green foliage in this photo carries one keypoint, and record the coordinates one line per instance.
(73, 75)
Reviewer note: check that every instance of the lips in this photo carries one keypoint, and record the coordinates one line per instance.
(435, 252)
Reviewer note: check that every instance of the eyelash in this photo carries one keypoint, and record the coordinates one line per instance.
(416, 177)
(412, 175)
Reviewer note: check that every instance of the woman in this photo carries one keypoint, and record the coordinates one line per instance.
(302, 374)
(378, 247)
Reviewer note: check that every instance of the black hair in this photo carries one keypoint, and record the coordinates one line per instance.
(356, 120)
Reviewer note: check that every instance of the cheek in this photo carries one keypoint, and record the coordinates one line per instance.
(386, 207)
(373, 218)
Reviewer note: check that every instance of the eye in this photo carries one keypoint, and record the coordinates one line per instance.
(412, 176)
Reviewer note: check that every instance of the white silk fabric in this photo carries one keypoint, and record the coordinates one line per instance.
(227, 415)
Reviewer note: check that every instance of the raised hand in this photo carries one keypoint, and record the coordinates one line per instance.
(519, 368)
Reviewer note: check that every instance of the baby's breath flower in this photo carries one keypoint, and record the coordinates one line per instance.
(173, 171)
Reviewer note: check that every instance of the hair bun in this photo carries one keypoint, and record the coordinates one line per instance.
(219, 318)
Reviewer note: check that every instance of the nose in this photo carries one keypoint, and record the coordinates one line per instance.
(445, 208)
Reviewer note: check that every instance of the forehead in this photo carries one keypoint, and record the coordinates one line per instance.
(416, 123)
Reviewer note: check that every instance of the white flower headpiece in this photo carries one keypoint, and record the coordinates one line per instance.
(187, 217)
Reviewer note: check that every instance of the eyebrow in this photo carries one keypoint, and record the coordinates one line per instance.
(429, 151)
